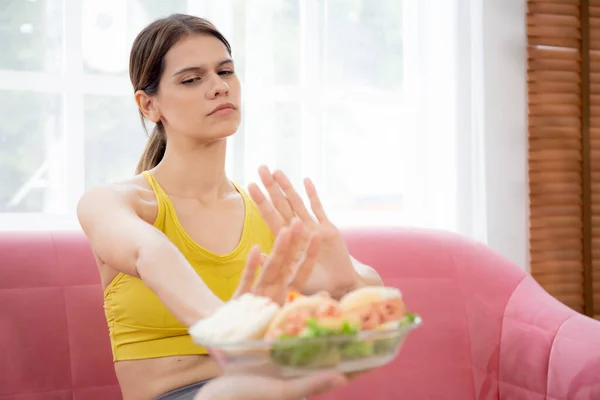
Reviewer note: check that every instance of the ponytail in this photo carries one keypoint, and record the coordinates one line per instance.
(155, 149)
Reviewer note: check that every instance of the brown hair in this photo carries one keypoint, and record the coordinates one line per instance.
(146, 65)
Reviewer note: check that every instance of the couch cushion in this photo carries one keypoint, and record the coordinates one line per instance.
(34, 341)
(54, 339)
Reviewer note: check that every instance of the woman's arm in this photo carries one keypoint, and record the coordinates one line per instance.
(364, 275)
(349, 274)
(128, 244)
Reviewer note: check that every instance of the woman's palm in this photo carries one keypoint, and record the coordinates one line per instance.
(286, 268)
(286, 207)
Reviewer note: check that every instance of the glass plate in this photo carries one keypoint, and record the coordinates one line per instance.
(303, 356)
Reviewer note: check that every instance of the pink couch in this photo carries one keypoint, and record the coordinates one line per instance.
(489, 332)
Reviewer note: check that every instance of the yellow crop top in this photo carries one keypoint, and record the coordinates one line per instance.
(140, 326)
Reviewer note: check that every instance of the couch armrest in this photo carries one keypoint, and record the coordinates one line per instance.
(574, 366)
(530, 329)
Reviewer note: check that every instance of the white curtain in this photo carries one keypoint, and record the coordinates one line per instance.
(379, 102)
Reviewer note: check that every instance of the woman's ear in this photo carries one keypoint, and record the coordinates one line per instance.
(147, 106)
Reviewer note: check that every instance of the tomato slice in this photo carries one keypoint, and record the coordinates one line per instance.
(292, 296)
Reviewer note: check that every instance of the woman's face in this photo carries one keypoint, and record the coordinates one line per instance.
(199, 93)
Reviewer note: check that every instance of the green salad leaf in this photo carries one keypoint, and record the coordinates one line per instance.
(311, 353)
(385, 345)
(408, 319)
(356, 349)
(313, 329)
(302, 352)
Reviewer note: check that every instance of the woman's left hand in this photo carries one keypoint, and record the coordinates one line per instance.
(334, 271)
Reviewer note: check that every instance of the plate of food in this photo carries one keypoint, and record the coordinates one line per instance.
(252, 334)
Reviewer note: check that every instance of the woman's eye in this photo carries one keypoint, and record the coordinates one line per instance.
(190, 80)
(225, 73)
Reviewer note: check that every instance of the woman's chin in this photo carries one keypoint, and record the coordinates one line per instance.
(224, 130)
(218, 134)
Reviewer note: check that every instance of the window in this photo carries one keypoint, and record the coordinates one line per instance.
(333, 90)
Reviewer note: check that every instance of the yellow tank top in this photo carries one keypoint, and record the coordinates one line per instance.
(140, 326)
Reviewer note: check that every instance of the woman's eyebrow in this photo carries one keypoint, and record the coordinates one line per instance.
(203, 67)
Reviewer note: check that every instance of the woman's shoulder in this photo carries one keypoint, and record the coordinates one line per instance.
(134, 192)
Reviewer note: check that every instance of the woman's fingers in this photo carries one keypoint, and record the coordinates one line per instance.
(354, 375)
(285, 202)
(277, 198)
(244, 387)
(311, 385)
(263, 258)
(293, 253)
(293, 197)
(271, 268)
(249, 273)
(266, 209)
(305, 267)
(315, 201)
(299, 245)
(284, 269)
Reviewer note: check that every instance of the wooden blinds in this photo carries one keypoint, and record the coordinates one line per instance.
(564, 149)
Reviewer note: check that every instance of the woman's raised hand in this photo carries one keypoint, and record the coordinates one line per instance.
(335, 271)
(286, 268)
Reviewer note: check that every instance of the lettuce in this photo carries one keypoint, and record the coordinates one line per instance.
(313, 329)
(314, 353)
(356, 349)
(318, 354)
(408, 319)
(386, 345)
(296, 352)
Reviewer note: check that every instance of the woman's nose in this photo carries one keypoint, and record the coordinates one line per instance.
(219, 87)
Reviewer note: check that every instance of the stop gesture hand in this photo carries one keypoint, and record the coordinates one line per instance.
(334, 271)
(287, 268)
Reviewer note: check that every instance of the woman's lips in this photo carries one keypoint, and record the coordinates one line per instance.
(223, 109)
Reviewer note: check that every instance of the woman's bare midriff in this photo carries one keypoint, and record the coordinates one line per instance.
(149, 378)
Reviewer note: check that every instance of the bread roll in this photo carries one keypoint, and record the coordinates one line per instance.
(368, 295)
(244, 318)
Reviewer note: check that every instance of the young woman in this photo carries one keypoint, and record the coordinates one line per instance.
(179, 238)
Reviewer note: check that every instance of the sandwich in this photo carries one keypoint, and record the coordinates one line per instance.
(311, 316)
(244, 318)
(376, 307)
(317, 317)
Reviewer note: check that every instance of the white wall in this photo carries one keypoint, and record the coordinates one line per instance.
(505, 126)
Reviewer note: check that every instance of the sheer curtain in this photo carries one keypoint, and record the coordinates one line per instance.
(377, 101)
